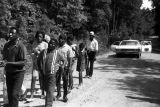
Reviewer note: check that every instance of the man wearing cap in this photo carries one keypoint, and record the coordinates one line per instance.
(92, 49)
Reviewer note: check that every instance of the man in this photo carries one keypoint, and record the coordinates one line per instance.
(14, 54)
(74, 60)
(48, 63)
(66, 50)
(92, 49)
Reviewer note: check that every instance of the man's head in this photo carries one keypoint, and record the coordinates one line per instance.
(62, 40)
(52, 44)
(13, 34)
(39, 36)
(81, 46)
(69, 40)
(91, 35)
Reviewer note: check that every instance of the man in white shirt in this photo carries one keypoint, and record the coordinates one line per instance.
(92, 49)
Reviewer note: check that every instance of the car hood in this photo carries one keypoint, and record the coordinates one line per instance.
(129, 47)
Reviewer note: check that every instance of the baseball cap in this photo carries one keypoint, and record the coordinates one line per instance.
(92, 33)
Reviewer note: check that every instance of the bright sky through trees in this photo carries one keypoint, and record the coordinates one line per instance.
(146, 4)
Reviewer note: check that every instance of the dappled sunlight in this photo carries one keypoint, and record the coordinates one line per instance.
(140, 76)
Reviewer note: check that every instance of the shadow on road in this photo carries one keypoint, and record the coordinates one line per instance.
(145, 80)
(151, 100)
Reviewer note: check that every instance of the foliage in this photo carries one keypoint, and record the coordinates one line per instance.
(129, 21)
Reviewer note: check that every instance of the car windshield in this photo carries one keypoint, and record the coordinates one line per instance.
(116, 43)
(129, 43)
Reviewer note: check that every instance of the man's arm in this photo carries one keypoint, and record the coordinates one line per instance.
(96, 43)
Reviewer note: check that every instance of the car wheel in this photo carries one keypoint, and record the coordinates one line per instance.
(118, 55)
(138, 55)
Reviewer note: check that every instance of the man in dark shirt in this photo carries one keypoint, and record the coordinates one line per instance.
(14, 56)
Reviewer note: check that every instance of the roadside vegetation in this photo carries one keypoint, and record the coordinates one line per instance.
(110, 19)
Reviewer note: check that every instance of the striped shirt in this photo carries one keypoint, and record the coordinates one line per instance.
(49, 62)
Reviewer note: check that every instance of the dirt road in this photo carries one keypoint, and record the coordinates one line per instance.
(116, 82)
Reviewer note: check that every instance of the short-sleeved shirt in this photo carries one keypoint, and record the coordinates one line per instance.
(92, 45)
(52, 62)
(66, 51)
(14, 53)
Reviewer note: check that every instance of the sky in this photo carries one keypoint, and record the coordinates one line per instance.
(146, 4)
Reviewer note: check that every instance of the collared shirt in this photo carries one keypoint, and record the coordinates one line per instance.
(52, 60)
(92, 45)
(48, 63)
(66, 51)
(15, 53)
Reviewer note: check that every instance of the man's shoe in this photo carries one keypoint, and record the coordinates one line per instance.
(29, 100)
(90, 77)
(54, 98)
(58, 96)
(65, 99)
(69, 91)
(86, 75)
(42, 97)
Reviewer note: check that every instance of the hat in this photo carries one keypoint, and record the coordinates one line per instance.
(91, 33)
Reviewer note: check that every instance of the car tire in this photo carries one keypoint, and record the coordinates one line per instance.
(138, 55)
(118, 55)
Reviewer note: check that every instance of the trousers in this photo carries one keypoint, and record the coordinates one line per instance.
(62, 73)
(14, 83)
(50, 83)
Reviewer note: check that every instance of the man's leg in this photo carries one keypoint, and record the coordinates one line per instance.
(33, 82)
(41, 82)
(50, 88)
(65, 84)
(18, 80)
(58, 82)
(9, 84)
(88, 64)
(92, 59)
(91, 68)
(71, 79)
(80, 78)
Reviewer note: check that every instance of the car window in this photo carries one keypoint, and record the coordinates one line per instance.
(116, 43)
(129, 43)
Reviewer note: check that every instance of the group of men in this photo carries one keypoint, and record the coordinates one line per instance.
(53, 63)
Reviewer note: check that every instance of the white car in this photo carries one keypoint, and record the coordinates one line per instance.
(146, 46)
(115, 45)
(129, 47)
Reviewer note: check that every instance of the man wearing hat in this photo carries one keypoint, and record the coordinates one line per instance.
(92, 49)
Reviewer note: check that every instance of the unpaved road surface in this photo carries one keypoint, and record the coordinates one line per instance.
(116, 82)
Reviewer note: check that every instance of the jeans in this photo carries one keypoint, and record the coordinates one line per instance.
(14, 83)
(50, 83)
(64, 74)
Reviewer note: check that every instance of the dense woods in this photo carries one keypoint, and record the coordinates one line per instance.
(110, 19)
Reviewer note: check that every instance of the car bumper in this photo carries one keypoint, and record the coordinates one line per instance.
(128, 52)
